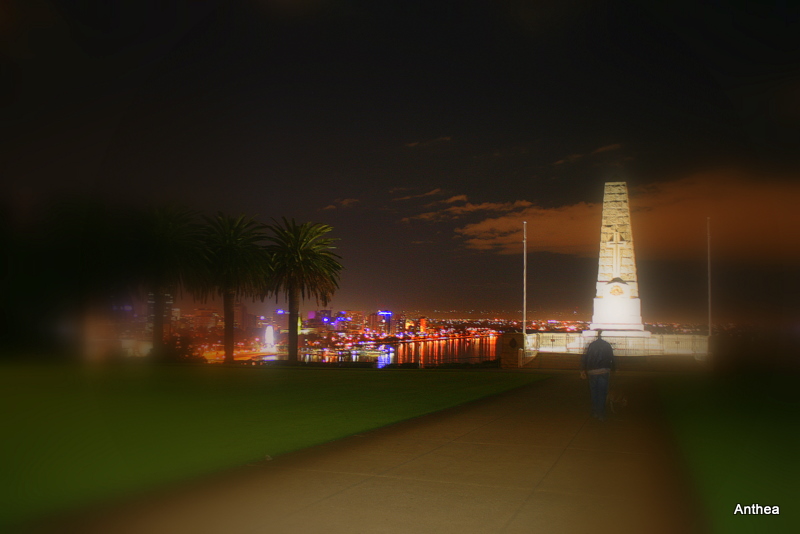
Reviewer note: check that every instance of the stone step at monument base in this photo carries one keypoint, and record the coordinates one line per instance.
(608, 331)
(558, 350)
(616, 330)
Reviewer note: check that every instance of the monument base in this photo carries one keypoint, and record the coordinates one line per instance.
(617, 312)
(608, 331)
(636, 343)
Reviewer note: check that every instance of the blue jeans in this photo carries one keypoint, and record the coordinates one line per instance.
(598, 389)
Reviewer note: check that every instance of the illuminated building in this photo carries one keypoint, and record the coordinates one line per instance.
(151, 312)
(280, 319)
(423, 325)
(374, 322)
(388, 321)
(320, 321)
(350, 321)
(357, 319)
(381, 322)
(401, 323)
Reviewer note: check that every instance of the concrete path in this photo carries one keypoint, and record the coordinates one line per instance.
(530, 460)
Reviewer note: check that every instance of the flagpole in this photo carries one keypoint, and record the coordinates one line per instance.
(708, 247)
(524, 287)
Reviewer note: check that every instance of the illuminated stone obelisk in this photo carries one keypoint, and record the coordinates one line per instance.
(617, 306)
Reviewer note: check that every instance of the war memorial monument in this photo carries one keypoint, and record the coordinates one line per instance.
(617, 307)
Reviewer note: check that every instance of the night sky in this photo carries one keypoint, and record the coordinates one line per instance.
(425, 132)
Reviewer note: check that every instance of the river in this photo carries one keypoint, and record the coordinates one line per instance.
(428, 353)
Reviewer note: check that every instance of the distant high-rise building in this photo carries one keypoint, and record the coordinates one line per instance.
(280, 319)
(205, 319)
(151, 312)
(389, 322)
(356, 319)
(400, 323)
(349, 321)
(320, 320)
(423, 325)
(373, 322)
(381, 322)
(241, 318)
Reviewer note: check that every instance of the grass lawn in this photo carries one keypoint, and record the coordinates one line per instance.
(741, 439)
(73, 436)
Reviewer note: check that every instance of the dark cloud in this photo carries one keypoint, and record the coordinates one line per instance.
(573, 158)
(606, 148)
(458, 211)
(428, 143)
(430, 193)
(752, 219)
(342, 203)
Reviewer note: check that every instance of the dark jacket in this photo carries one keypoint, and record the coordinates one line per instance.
(599, 355)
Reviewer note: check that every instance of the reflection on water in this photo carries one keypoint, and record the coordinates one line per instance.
(462, 350)
(427, 353)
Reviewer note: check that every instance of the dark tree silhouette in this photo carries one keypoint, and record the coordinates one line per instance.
(238, 265)
(72, 266)
(167, 243)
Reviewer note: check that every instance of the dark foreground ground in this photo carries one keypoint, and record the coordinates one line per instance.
(530, 460)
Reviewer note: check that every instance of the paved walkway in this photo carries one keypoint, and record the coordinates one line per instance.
(530, 460)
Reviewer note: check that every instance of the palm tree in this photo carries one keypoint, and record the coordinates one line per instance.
(303, 265)
(169, 257)
(237, 264)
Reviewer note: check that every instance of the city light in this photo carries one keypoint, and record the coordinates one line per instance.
(328, 333)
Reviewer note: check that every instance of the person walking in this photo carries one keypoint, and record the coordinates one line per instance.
(597, 363)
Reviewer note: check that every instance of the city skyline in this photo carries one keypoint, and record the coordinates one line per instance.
(426, 133)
